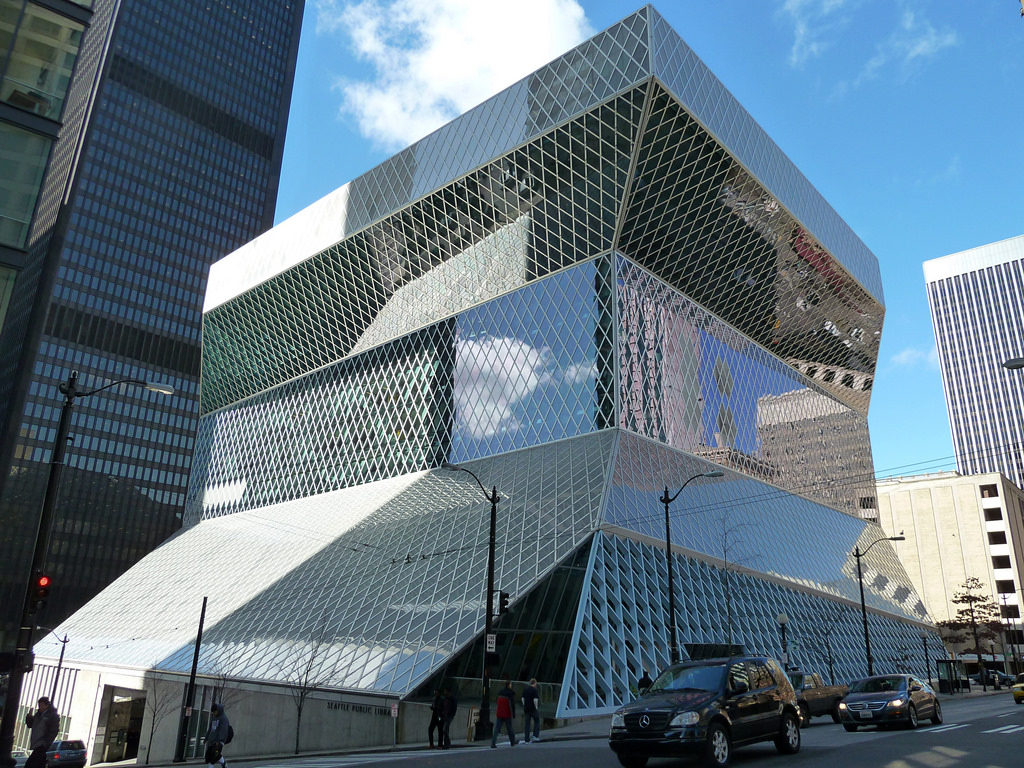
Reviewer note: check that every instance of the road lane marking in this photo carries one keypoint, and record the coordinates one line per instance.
(1006, 729)
(943, 728)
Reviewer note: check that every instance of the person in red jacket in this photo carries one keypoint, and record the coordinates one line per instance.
(504, 712)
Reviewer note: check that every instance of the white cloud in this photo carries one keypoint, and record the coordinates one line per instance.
(919, 39)
(912, 357)
(913, 42)
(813, 22)
(491, 377)
(434, 59)
(580, 374)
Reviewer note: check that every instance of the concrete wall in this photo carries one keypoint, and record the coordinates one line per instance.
(263, 716)
(947, 534)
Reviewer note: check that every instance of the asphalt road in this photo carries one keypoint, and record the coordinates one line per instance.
(984, 732)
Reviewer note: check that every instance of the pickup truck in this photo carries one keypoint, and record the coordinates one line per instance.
(814, 697)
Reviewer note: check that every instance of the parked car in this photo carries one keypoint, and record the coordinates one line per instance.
(20, 756)
(66, 754)
(884, 700)
(707, 707)
(1017, 689)
(993, 678)
(814, 697)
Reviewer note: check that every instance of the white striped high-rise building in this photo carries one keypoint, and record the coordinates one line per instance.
(977, 304)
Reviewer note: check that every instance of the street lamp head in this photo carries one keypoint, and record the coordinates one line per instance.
(159, 388)
(714, 473)
(1014, 364)
(783, 619)
(901, 537)
(449, 465)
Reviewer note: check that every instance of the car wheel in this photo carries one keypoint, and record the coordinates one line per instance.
(633, 761)
(850, 727)
(911, 717)
(805, 714)
(836, 717)
(937, 713)
(718, 747)
(787, 741)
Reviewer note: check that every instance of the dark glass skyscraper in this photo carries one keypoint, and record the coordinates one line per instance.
(168, 158)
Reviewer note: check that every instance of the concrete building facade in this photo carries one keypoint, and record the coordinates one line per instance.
(956, 527)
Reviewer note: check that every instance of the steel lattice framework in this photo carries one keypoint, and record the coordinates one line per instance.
(597, 284)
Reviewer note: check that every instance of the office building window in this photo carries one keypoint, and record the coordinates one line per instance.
(42, 47)
(23, 158)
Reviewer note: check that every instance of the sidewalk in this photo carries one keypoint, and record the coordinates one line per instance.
(591, 728)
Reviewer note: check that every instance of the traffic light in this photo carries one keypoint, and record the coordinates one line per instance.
(40, 590)
(502, 603)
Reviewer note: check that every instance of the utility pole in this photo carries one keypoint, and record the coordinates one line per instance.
(190, 692)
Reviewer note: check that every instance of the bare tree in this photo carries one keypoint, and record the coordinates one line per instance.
(225, 688)
(308, 672)
(726, 581)
(826, 618)
(162, 698)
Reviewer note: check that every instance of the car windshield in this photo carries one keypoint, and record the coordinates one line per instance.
(1020, 678)
(879, 684)
(700, 678)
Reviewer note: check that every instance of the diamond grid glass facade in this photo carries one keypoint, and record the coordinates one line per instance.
(582, 295)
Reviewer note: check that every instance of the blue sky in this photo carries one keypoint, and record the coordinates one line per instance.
(905, 114)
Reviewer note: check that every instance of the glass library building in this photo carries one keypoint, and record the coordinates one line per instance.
(602, 306)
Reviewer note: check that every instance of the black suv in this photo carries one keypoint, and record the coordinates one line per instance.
(707, 707)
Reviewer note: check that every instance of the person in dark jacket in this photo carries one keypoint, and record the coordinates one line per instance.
(216, 736)
(504, 713)
(44, 723)
(531, 712)
(436, 721)
(644, 682)
(449, 706)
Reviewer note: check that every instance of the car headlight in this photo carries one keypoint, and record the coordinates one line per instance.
(618, 721)
(842, 705)
(684, 718)
(896, 703)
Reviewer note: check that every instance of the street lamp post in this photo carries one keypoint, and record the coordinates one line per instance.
(666, 500)
(23, 658)
(484, 725)
(927, 659)
(60, 664)
(783, 620)
(863, 606)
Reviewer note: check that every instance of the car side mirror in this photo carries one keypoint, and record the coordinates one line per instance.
(916, 687)
(739, 687)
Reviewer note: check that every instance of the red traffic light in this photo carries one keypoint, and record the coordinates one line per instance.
(42, 581)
